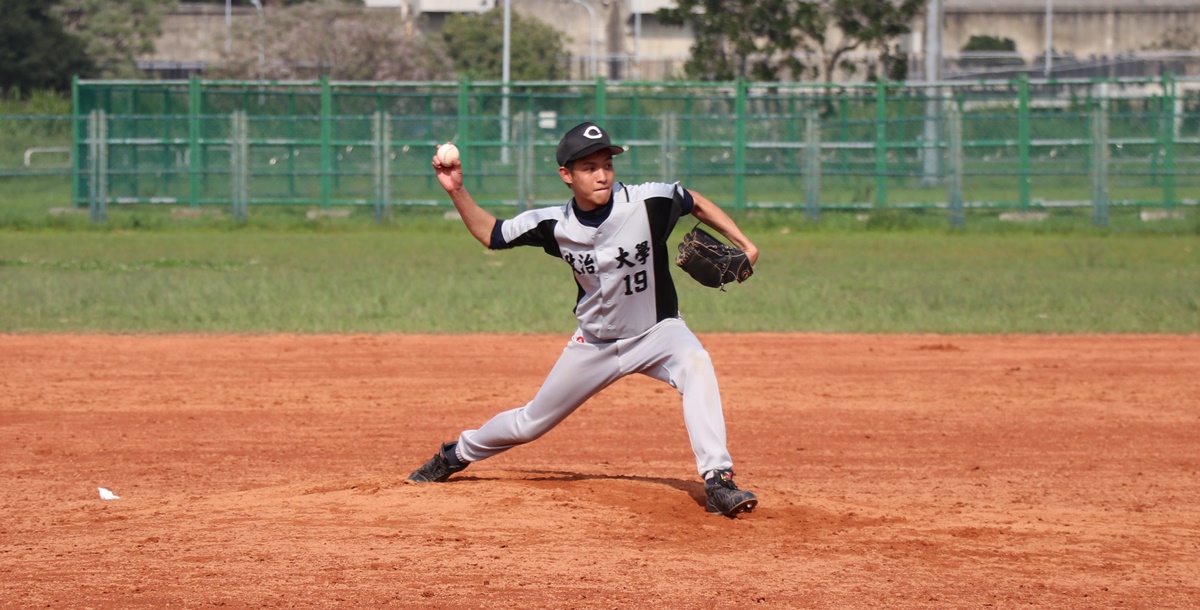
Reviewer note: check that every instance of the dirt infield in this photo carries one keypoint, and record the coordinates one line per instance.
(894, 471)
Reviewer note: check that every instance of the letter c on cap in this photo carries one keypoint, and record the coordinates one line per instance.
(593, 133)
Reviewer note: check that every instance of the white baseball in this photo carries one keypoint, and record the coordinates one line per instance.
(447, 154)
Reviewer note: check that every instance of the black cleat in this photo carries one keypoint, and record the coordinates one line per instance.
(724, 497)
(438, 468)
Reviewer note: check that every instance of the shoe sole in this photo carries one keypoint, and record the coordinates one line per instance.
(739, 508)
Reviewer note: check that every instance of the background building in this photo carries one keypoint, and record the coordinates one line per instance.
(624, 40)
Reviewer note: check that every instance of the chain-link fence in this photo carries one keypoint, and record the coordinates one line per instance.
(1022, 145)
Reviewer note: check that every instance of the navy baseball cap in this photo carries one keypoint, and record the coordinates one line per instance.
(583, 140)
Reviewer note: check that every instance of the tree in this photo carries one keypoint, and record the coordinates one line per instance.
(332, 38)
(986, 43)
(295, 2)
(35, 51)
(115, 32)
(986, 51)
(743, 38)
(769, 39)
(869, 24)
(475, 43)
(270, 3)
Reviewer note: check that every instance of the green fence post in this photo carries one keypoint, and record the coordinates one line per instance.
(844, 135)
(1089, 106)
(669, 146)
(464, 127)
(234, 175)
(954, 165)
(239, 153)
(194, 102)
(76, 137)
(739, 145)
(336, 151)
(812, 165)
(1168, 140)
(326, 142)
(386, 170)
(1023, 179)
(293, 147)
(881, 144)
(1154, 115)
(601, 99)
(1100, 166)
(167, 160)
(377, 163)
(98, 136)
(133, 129)
(791, 121)
(688, 155)
(517, 138)
(635, 132)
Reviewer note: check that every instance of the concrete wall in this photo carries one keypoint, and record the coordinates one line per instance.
(613, 25)
(196, 33)
(1083, 31)
(1083, 27)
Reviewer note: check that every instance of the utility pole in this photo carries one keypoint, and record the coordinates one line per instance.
(930, 154)
(505, 74)
(1049, 36)
(592, 38)
(637, 40)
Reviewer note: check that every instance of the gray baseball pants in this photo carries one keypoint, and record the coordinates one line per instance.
(669, 352)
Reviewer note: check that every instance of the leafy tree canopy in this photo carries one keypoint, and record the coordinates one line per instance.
(990, 44)
(331, 38)
(36, 52)
(267, 3)
(984, 43)
(475, 43)
(115, 32)
(769, 39)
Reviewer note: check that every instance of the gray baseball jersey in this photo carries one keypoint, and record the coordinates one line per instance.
(628, 316)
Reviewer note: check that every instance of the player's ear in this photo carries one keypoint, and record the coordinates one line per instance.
(566, 175)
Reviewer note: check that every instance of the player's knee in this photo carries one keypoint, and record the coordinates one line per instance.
(694, 364)
(697, 360)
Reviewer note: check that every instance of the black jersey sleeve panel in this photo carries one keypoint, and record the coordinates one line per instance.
(549, 243)
(540, 235)
(498, 242)
(663, 213)
(686, 203)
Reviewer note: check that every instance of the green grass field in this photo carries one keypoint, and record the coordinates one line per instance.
(420, 272)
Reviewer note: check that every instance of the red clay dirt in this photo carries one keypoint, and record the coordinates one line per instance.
(893, 471)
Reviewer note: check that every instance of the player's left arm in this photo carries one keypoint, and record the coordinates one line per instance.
(712, 215)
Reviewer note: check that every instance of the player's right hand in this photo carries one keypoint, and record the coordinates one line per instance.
(449, 176)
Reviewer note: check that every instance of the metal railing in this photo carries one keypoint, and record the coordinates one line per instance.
(1020, 144)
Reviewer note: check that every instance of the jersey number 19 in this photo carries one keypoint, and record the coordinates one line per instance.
(636, 283)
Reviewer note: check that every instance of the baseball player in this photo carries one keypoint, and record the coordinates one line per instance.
(614, 238)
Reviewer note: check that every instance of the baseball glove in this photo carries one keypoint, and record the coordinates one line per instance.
(711, 262)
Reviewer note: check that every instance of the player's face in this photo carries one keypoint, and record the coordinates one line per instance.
(590, 179)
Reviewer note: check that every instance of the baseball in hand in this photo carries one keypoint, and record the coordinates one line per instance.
(447, 154)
